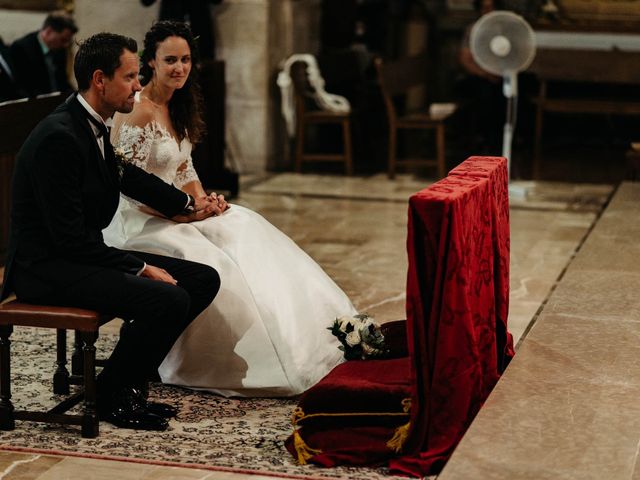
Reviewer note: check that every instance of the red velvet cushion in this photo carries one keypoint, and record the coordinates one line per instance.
(360, 386)
(395, 338)
(352, 413)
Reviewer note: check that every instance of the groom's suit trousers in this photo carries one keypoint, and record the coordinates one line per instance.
(158, 312)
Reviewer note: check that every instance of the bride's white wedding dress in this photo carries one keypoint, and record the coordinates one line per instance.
(265, 334)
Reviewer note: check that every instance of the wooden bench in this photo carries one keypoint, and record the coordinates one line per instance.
(86, 324)
(570, 67)
(17, 119)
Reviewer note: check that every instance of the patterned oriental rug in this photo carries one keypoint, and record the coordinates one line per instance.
(211, 432)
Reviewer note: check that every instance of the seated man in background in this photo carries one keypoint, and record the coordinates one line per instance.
(40, 58)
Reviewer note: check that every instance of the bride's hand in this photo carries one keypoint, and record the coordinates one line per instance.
(222, 203)
(219, 199)
(205, 204)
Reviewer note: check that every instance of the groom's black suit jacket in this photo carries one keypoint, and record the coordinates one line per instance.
(64, 194)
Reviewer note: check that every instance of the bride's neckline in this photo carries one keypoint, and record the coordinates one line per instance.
(155, 124)
(164, 132)
(153, 102)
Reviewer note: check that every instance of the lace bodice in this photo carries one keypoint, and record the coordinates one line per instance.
(155, 150)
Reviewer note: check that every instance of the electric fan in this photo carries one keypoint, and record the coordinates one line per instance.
(503, 43)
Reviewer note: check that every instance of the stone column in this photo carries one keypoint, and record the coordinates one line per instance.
(253, 37)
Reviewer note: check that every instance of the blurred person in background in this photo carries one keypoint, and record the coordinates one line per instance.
(40, 57)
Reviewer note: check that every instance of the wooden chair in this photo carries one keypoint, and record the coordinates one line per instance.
(86, 324)
(306, 117)
(396, 79)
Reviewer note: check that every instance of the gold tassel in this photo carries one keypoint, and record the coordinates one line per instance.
(402, 432)
(302, 449)
(397, 442)
(297, 415)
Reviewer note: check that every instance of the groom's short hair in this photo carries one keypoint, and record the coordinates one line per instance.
(101, 51)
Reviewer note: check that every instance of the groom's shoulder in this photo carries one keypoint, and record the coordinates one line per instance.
(57, 126)
(59, 122)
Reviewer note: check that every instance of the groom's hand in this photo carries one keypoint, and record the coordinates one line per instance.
(202, 208)
(157, 273)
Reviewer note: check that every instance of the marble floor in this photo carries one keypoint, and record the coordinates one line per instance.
(355, 228)
(567, 406)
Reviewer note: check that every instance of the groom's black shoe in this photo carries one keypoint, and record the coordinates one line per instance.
(125, 410)
(161, 409)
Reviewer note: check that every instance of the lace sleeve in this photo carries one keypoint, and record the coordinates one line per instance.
(136, 143)
(186, 173)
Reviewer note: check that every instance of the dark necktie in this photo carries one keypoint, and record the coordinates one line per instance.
(104, 133)
(103, 130)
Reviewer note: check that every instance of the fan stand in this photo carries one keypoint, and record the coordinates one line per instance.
(510, 91)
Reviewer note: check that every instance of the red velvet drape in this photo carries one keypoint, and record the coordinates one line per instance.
(457, 306)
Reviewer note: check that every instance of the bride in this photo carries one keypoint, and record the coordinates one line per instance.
(266, 332)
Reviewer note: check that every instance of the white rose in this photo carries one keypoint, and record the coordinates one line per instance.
(365, 322)
(367, 349)
(344, 323)
(353, 338)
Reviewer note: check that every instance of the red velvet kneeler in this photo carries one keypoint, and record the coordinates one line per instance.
(457, 305)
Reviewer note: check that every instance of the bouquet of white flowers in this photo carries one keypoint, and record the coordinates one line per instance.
(360, 336)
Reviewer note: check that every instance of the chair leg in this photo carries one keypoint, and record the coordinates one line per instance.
(299, 143)
(440, 150)
(348, 158)
(76, 356)
(7, 420)
(61, 377)
(90, 423)
(392, 152)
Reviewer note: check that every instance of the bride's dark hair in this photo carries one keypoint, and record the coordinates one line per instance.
(185, 106)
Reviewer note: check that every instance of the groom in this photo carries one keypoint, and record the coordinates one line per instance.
(66, 188)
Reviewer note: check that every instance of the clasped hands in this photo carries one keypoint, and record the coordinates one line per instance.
(204, 207)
